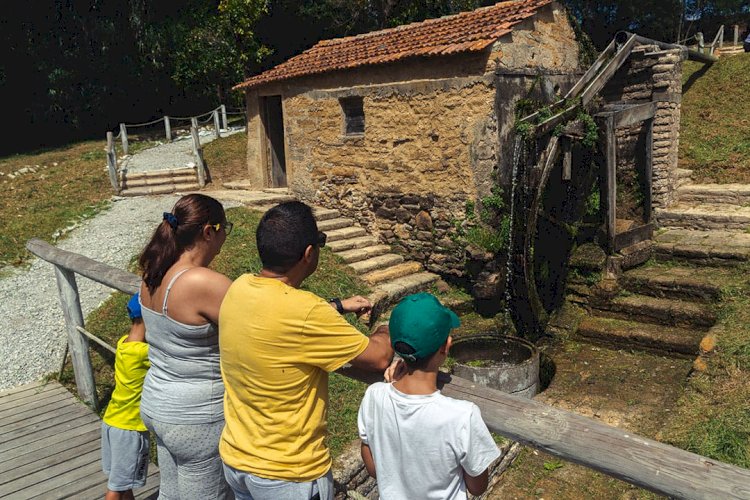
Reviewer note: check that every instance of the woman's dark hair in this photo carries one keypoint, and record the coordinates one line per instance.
(177, 233)
(284, 233)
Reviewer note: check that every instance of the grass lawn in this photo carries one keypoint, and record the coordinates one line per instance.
(239, 255)
(715, 122)
(69, 184)
(226, 159)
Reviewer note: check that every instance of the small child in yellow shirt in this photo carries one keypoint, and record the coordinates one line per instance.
(125, 440)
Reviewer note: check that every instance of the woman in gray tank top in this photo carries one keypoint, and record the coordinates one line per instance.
(182, 401)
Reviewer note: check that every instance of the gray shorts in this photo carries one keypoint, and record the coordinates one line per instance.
(248, 486)
(124, 458)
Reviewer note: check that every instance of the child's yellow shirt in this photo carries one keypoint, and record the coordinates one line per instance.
(131, 365)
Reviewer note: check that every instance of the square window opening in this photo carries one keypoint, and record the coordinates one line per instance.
(354, 115)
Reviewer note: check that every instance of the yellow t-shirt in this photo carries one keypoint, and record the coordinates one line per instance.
(131, 365)
(277, 345)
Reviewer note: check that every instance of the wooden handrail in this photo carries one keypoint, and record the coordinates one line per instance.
(97, 271)
(635, 459)
(618, 453)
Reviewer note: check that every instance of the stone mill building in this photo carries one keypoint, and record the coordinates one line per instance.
(401, 129)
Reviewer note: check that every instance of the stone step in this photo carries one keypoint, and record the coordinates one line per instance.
(656, 310)
(684, 177)
(331, 224)
(392, 273)
(379, 262)
(255, 199)
(322, 214)
(641, 336)
(357, 254)
(161, 189)
(715, 248)
(674, 283)
(345, 233)
(170, 172)
(390, 292)
(705, 216)
(128, 183)
(351, 243)
(722, 194)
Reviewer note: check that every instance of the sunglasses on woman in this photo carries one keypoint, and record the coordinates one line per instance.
(227, 226)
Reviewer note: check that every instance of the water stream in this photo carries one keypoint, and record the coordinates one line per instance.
(517, 145)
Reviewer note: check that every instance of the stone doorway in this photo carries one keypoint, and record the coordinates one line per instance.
(273, 124)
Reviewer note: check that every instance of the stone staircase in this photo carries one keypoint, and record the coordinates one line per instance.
(158, 182)
(389, 275)
(671, 309)
(710, 225)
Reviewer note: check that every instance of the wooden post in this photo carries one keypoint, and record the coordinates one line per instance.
(611, 181)
(112, 162)
(699, 39)
(198, 156)
(124, 138)
(721, 38)
(648, 199)
(567, 152)
(167, 128)
(736, 36)
(78, 345)
(217, 126)
(224, 117)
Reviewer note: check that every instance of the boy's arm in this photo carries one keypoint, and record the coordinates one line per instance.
(370, 463)
(476, 485)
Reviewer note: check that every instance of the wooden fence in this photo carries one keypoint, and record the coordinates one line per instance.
(635, 459)
(218, 116)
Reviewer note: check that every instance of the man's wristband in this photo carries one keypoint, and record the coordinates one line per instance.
(337, 303)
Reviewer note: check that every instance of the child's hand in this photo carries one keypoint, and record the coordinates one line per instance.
(395, 371)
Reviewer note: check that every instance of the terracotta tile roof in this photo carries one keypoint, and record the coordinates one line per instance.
(463, 32)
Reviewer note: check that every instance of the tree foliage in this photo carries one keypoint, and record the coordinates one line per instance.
(75, 68)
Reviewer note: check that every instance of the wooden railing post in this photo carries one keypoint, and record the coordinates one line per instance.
(167, 128)
(217, 126)
(198, 156)
(224, 117)
(77, 344)
(112, 162)
(736, 35)
(124, 138)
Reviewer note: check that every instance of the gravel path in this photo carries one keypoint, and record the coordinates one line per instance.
(32, 337)
(175, 154)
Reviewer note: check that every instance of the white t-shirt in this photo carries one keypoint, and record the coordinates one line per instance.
(420, 443)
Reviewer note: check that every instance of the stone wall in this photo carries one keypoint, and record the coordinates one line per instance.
(426, 151)
(651, 74)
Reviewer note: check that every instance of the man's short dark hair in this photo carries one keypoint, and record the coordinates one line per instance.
(284, 233)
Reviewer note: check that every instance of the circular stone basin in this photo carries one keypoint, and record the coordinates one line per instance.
(508, 364)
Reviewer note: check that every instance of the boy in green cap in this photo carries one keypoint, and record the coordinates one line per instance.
(417, 442)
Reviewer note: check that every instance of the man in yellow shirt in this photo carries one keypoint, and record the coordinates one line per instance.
(278, 343)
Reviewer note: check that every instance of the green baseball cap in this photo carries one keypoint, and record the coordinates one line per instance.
(421, 322)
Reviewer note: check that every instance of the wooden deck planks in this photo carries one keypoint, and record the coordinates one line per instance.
(50, 447)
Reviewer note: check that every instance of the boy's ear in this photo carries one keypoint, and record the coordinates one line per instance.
(445, 348)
